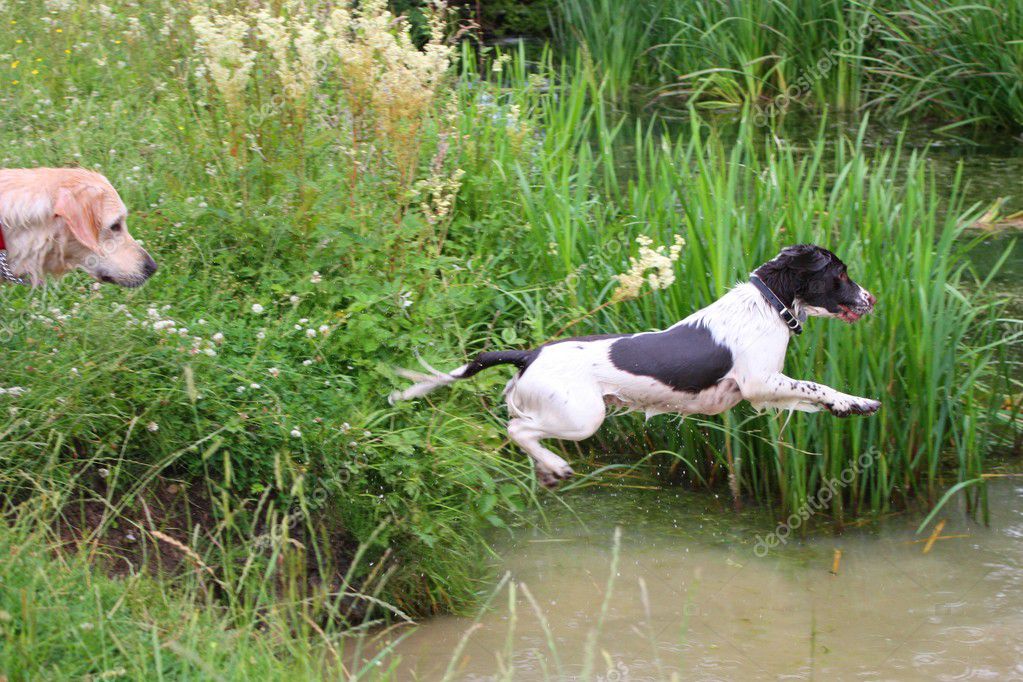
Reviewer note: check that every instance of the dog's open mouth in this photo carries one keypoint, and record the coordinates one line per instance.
(850, 315)
(129, 282)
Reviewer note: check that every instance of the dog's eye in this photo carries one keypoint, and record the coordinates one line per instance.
(116, 227)
(844, 277)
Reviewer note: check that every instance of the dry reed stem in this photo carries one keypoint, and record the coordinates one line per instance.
(934, 535)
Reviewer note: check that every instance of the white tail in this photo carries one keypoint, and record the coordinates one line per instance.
(425, 383)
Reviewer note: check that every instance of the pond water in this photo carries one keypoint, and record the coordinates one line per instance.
(695, 595)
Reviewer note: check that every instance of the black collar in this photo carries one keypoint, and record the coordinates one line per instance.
(790, 320)
(6, 274)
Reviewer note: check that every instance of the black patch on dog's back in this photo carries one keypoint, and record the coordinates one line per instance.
(685, 357)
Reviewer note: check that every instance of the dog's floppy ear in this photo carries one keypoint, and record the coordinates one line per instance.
(806, 257)
(80, 208)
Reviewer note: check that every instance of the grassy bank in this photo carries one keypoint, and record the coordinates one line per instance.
(303, 250)
(61, 619)
(958, 63)
(326, 202)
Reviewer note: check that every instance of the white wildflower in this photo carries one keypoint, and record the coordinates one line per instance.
(296, 36)
(438, 192)
(221, 39)
(656, 260)
(499, 63)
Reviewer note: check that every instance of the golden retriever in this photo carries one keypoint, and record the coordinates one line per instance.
(58, 219)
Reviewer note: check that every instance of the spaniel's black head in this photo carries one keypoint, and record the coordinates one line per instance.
(815, 280)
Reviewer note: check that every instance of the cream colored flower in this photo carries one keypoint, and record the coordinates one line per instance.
(390, 84)
(653, 267)
(438, 193)
(221, 39)
(297, 47)
(498, 65)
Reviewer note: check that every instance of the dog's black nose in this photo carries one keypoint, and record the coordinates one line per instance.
(149, 266)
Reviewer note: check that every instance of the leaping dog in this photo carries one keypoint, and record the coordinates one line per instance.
(730, 351)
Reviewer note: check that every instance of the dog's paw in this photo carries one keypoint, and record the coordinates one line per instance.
(851, 406)
(552, 478)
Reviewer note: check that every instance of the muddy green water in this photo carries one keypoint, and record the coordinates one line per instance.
(691, 596)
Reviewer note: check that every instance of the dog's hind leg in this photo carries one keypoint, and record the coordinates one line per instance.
(550, 468)
(568, 413)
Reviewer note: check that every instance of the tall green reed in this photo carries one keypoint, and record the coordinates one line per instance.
(957, 62)
(724, 54)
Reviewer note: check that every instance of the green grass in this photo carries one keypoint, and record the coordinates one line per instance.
(311, 504)
(61, 619)
(268, 424)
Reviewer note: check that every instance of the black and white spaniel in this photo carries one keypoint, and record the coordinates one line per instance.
(732, 350)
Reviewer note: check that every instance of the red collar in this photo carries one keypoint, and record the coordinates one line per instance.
(3, 247)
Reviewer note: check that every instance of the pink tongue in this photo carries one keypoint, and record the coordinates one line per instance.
(848, 315)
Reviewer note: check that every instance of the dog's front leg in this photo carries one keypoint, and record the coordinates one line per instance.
(782, 392)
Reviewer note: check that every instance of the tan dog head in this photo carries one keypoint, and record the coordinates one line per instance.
(59, 219)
